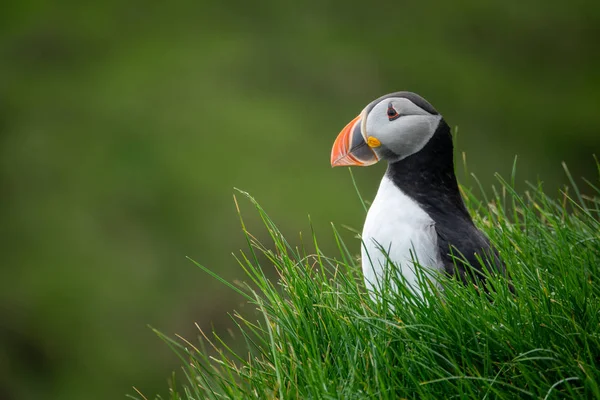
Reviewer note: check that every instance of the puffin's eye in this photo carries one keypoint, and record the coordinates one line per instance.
(392, 113)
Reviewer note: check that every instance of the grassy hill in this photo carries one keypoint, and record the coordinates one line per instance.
(315, 333)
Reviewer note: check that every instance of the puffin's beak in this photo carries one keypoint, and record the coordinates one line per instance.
(350, 147)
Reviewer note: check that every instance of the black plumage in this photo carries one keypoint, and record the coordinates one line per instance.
(428, 178)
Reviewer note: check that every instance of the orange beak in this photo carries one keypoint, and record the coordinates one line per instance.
(350, 147)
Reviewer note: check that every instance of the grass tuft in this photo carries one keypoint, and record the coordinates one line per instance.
(318, 333)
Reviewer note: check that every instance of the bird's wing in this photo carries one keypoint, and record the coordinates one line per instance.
(462, 249)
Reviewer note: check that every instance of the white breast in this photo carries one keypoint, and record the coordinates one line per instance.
(397, 225)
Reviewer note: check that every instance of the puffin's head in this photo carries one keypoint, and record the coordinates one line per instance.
(392, 128)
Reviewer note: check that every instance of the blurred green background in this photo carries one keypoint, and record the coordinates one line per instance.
(125, 125)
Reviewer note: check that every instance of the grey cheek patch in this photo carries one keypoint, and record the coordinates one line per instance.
(389, 155)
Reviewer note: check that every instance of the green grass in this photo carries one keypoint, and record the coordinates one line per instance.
(318, 334)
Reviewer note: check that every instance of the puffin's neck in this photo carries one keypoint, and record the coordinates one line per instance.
(428, 177)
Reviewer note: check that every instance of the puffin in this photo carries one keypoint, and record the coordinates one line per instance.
(418, 215)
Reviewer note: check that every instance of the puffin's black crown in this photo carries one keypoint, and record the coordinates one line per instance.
(413, 97)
